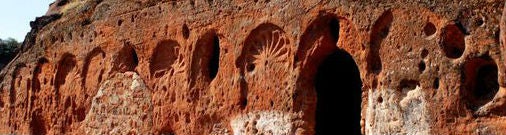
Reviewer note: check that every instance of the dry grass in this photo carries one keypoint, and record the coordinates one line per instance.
(73, 4)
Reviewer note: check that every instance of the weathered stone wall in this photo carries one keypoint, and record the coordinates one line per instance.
(254, 67)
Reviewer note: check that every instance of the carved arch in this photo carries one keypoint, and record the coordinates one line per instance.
(164, 55)
(66, 64)
(266, 51)
(96, 56)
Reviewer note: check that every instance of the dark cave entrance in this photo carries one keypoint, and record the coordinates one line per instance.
(338, 87)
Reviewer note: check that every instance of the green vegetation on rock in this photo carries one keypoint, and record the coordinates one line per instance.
(8, 50)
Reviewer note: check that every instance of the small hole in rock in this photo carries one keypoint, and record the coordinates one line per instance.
(435, 84)
(380, 99)
(429, 29)
(186, 31)
(120, 22)
(85, 22)
(421, 66)
(479, 21)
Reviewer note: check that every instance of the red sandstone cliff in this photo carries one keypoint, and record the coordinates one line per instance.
(259, 67)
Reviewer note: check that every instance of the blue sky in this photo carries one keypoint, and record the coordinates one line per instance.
(15, 16)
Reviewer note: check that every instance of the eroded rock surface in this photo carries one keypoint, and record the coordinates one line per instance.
(259, 67)
(122, 105)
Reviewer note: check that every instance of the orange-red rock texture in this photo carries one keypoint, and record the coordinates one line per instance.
(259, 67)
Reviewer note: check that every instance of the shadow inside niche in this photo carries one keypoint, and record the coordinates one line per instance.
(480, 81)
(338, 88)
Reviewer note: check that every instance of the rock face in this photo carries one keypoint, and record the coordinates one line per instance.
(259, 67)
(122, 105)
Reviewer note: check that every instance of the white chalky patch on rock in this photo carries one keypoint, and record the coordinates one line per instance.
(137, 83)
(416, 120)
(264, 122)
(218, 129)
(385, 117)
(122, 105)
(395, 115)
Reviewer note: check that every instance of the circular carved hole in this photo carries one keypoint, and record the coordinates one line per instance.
(453, 42)
(186, 31)
(380, 99)
(479, 21)
(429, 29)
